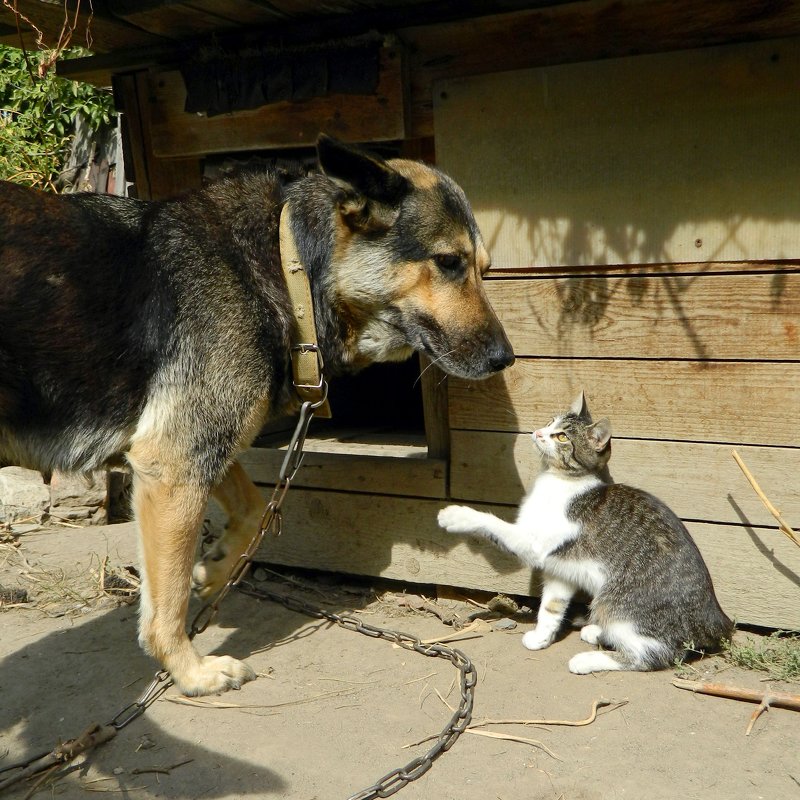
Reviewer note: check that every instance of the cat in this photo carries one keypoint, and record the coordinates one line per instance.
(653, 598)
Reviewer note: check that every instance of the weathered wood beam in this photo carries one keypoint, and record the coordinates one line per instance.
(95, 30)
(398, 538)
(748, 402)
(654, 313)
(375, 117)
(697, 480)
(476, 42)
(584, 31)
(155, 178)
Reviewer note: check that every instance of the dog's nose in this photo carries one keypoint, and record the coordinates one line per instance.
(500, 357)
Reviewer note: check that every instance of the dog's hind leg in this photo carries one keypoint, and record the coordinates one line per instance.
(169, 514)
(244, 506)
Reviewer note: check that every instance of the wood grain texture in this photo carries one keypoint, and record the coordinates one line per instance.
(434, 408)
(672, 157)
(569, 32)
(652, 314)
(370, 469)
(756, 572)
(698, 481)
(354, 118)
(154, 178)
(705, 401)
(98, 32)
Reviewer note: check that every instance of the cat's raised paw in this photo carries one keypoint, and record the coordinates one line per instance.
(459, 519)
(593, 661)
(534, 640)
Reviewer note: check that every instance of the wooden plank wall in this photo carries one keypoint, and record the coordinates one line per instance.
(644, 217)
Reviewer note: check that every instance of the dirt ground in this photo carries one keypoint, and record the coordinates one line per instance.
(333, 711)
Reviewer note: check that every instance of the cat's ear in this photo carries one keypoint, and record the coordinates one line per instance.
(579, 407)
(600, 434)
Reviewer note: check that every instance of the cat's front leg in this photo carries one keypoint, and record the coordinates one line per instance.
(552, 607)
(462, 519)
(591, 633)
(506, 535)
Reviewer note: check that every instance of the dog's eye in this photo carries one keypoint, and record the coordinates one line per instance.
(449, 262)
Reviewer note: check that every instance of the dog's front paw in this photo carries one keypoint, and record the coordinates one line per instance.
(459, 519)
(213, 674)
(211, 572)
(535, 640)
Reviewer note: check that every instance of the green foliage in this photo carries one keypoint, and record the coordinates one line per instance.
(37, 116)
(778, 655)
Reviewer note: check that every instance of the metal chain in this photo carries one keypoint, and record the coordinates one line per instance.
(395, 780)
(272, 522)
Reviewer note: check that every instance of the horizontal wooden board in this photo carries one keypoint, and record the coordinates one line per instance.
(698, 481)
(354, 118)
(592, 29)
(755, 571)
(366, 468)
(673, 157)
(705, 401)
(718, 316)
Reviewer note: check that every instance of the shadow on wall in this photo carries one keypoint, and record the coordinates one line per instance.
(675, 158)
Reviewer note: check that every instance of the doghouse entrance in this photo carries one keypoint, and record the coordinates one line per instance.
(387, 435)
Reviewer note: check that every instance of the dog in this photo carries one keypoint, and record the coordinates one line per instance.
(159, 332)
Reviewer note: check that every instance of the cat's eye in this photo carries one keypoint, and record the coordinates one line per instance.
(560, 437)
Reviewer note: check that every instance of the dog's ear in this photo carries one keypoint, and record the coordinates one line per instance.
(366, 179)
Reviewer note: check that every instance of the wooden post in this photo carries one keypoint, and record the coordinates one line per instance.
(155, 178)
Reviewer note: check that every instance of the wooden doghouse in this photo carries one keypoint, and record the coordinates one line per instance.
(635, 169)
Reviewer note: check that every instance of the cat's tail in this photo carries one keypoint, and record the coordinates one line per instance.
(630, 651)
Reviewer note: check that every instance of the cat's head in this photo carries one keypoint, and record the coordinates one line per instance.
(572, 443)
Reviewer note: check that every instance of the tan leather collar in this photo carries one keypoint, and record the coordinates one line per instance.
(309, 381)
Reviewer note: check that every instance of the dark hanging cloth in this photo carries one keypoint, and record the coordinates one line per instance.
(220, 82)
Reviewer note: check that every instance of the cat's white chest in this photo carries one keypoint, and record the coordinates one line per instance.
(543, 516)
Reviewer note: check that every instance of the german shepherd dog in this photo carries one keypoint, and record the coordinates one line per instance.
(159, 333)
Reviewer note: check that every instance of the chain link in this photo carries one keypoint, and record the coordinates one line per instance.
(395, 780)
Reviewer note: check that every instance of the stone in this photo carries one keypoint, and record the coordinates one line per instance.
(23, 495)
(76, 489)
(79, 497)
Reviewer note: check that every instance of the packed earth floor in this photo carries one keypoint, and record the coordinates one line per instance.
(332, 711)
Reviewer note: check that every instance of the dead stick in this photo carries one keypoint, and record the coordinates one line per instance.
(782, 524)
(779, 699)
(521, 739)
(63, 753)
(160, 770)
(574, 723)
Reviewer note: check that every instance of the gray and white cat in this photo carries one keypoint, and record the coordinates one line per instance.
(652, 594)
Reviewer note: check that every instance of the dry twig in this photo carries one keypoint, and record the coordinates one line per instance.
(764, 699)
(160, 770)
(782, 524)
(600, 703)
(521, 739)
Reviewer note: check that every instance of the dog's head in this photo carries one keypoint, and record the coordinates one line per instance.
(408, 264)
